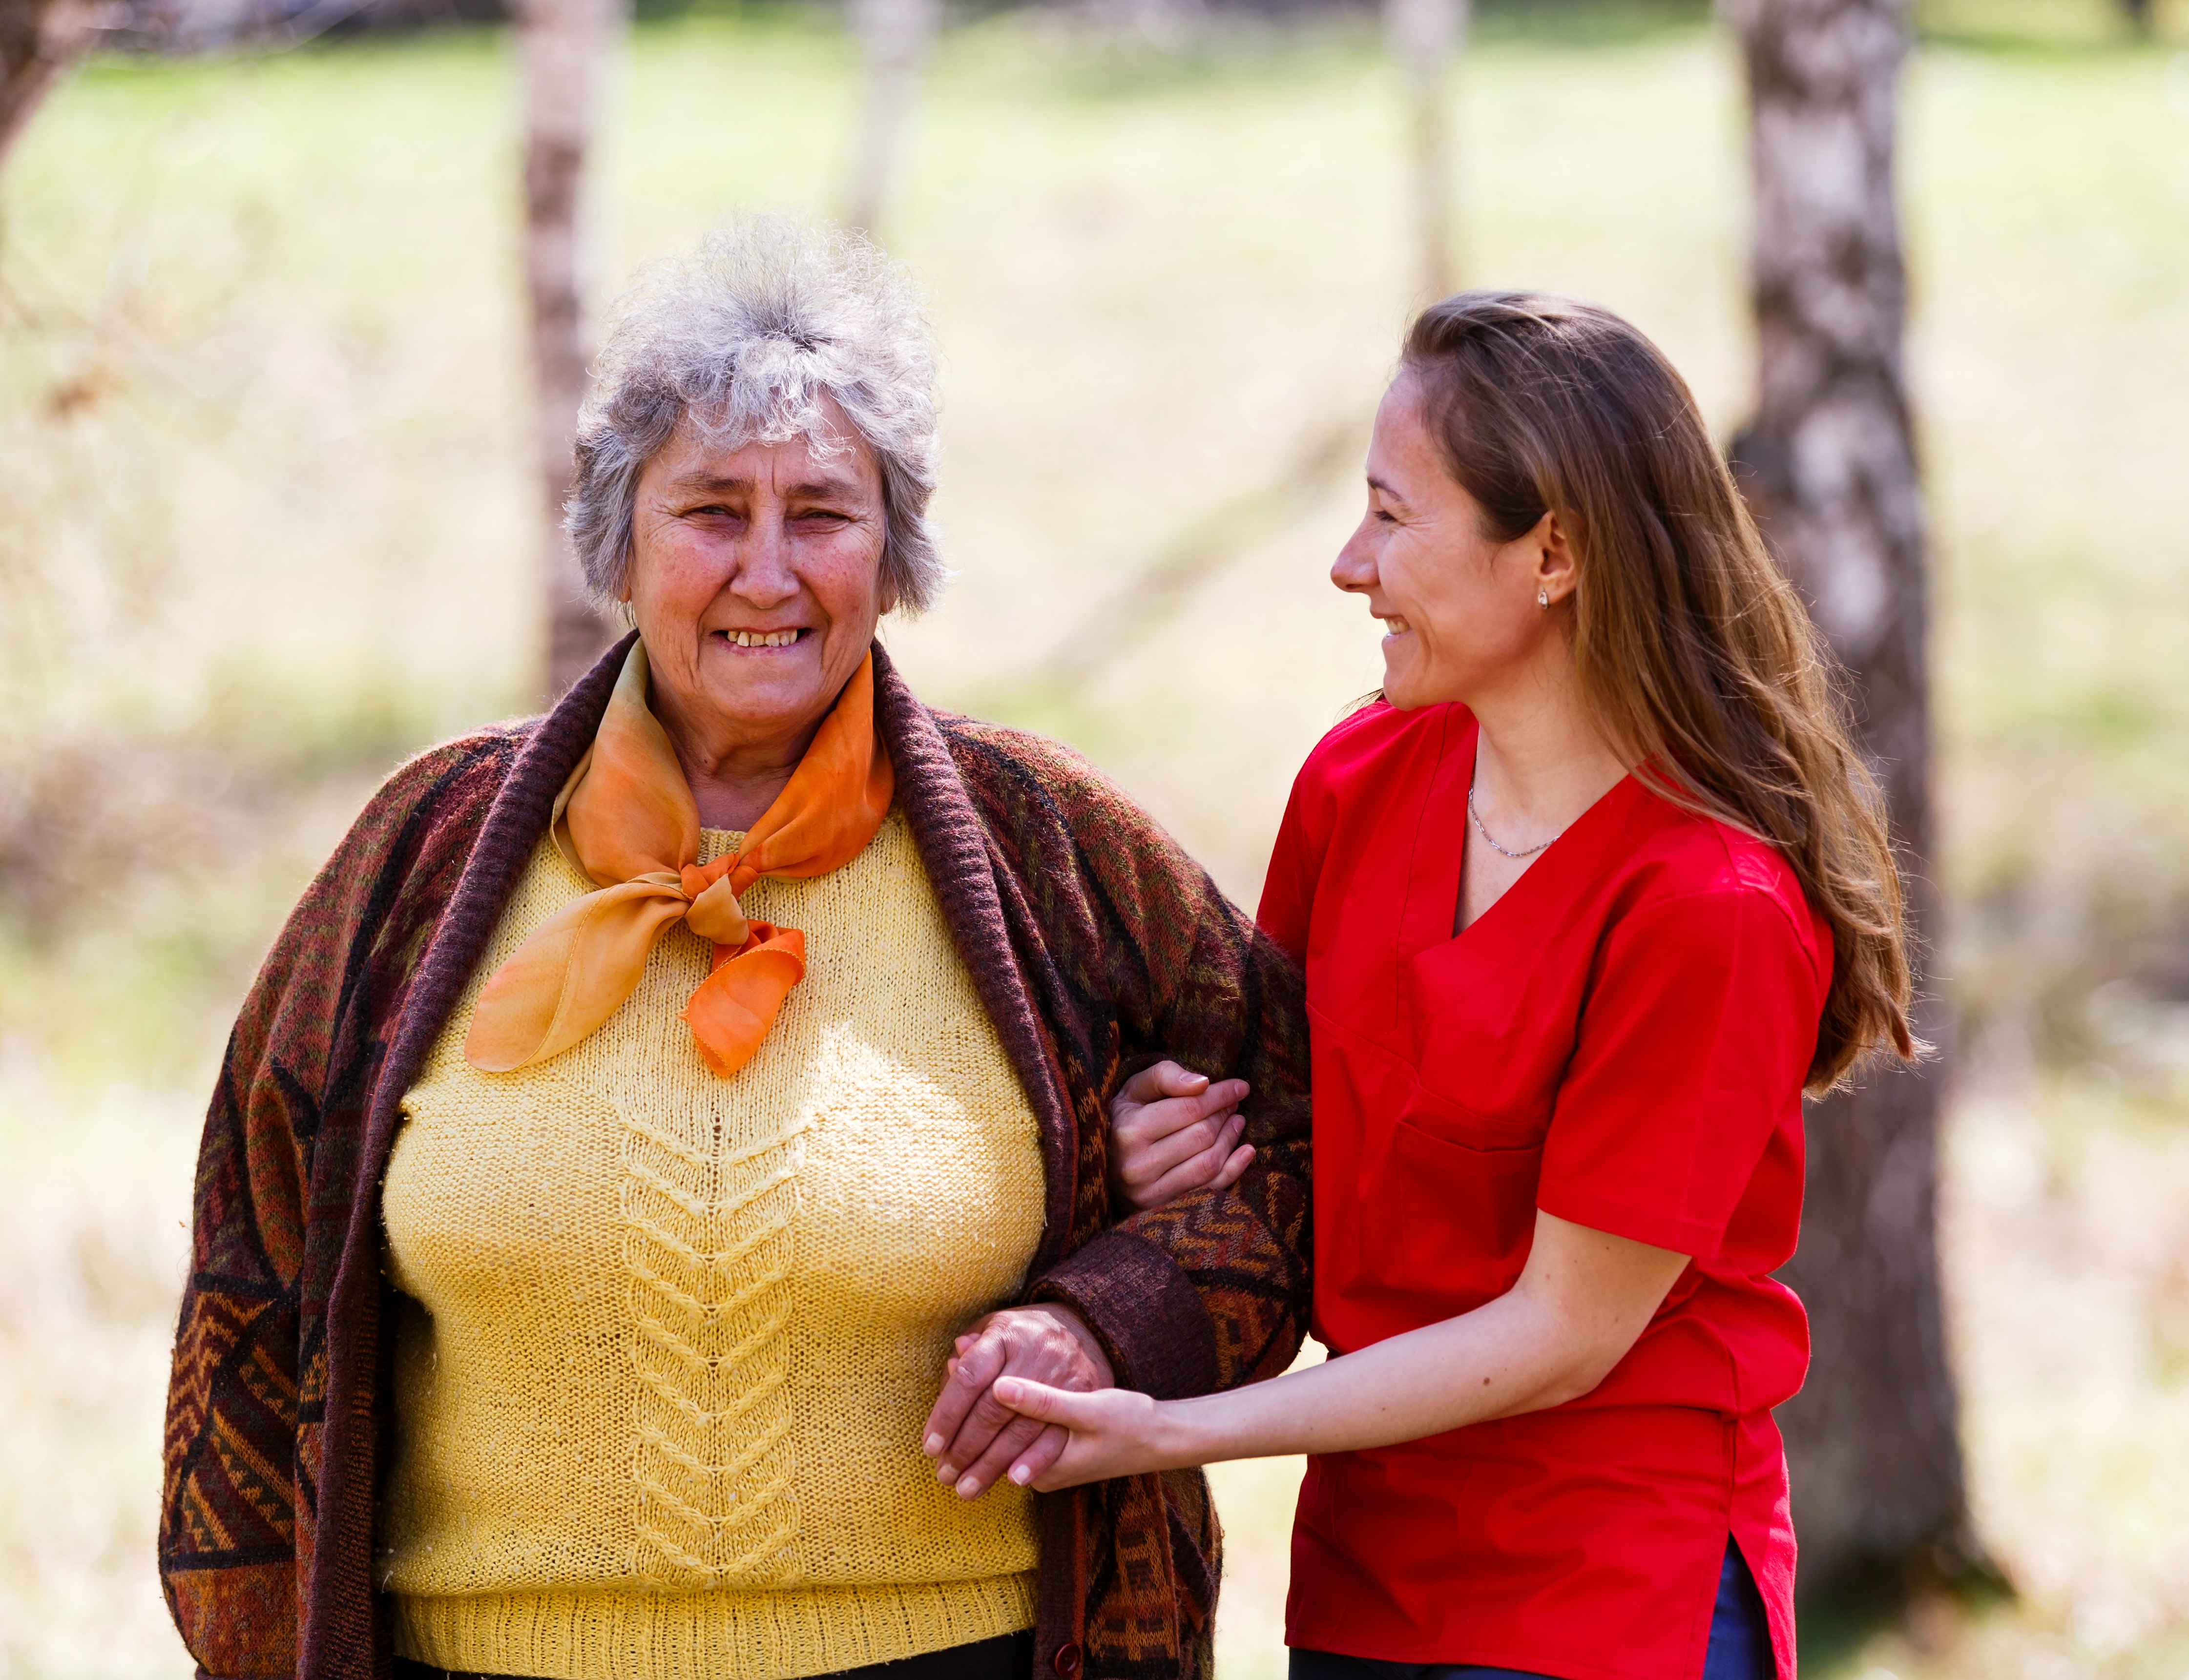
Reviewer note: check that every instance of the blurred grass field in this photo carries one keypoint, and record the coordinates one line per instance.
(267, 527)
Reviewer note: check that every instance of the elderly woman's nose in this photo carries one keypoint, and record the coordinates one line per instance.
(764, 575)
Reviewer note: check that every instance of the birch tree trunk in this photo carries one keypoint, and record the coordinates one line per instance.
(1828, 464)
(896, 33)
(38, 40)
(564, 45)
(1425, 36)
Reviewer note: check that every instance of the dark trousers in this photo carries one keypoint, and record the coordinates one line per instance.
(1740, 1644)
(1008, 1656)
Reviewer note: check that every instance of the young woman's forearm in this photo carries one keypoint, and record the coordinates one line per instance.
(1580, 1302)
(1508, 1356)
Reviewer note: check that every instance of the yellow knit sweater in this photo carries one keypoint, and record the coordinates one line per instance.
(666, 1340)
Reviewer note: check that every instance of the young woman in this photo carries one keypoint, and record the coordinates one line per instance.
(1585, 902)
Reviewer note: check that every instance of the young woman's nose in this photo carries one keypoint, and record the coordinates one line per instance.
(1354, 568)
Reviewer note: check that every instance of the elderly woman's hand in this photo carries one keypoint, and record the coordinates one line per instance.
(974, 1438)
(1172, 1131)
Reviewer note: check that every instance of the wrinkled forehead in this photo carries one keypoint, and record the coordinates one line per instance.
(816, 450)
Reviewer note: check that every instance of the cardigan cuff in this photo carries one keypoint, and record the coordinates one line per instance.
(1144, 1307)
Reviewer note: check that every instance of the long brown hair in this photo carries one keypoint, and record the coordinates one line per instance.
(1692, 649)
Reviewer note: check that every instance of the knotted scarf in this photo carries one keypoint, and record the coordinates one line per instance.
(626, 821)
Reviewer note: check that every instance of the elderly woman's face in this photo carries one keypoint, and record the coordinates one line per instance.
(755, 580)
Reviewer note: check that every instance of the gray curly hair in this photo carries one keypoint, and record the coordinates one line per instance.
(744, 340)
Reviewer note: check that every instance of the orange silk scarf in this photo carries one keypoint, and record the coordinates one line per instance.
(626, 821)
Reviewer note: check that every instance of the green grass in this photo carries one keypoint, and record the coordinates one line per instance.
(268, 525)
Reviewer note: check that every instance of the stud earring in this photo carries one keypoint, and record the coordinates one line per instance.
(1542, 598)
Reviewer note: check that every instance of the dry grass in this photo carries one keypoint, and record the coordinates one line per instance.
(262, 455)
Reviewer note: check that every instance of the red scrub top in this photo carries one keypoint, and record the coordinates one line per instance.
(1620, 1040)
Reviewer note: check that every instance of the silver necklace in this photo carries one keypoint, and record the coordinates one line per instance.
(1476, 816)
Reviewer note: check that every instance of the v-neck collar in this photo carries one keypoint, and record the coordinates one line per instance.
(1440, 854)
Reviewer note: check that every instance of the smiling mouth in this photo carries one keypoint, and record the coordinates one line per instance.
(1396, 626)
(762, 638)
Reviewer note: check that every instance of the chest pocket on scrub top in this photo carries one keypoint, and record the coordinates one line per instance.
(1466, 1197)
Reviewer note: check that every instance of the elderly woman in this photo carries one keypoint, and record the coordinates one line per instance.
(643, 1096)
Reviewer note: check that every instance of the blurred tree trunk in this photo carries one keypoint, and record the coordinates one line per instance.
(564, 45)
(895, 34)
(1425, 36)
(38, 40)
(2138, 15)
(1881, 1502)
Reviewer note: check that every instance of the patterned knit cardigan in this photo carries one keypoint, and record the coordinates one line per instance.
(1095, 945)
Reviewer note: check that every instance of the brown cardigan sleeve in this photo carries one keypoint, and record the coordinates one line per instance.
(1136, 955)
(246, 1398)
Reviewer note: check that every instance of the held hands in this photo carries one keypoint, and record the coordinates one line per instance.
(971, 1435)
(1172, 1131)
(1115, 1433)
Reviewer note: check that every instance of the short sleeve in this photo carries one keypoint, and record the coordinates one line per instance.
(1694, 1040)
(1288, 891)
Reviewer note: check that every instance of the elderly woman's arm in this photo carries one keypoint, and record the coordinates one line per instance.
(1142, 958)
(246, 1401)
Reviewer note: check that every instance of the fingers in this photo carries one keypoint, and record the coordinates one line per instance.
(1164, 1079)
(1166, 1096)
(1214, 1137)
(1009, 1444)
(1171, 1124)
(1039, 1401)
(1051, 1462)
(1037, 1460)
(968, 1419)
(1217, 1166)
(1109, 1433)
(980, 1361)
(1234, 1169)
(975, 1436)
(1149, 1178)
(1161, 1119)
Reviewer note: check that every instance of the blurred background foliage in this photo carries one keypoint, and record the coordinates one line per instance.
(267, 525)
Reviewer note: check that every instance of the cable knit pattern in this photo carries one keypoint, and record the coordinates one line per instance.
(707, 1241)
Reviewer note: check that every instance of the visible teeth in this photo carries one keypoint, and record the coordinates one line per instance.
(767, 638)
(1397, 626)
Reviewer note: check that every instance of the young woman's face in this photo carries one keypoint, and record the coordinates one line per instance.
(1459, 608)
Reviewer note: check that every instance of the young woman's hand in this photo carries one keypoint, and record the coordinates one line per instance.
(1172, 1131)
(1117, 1431)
